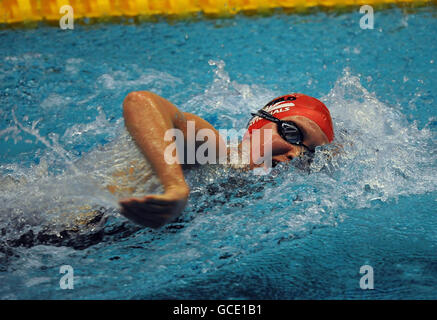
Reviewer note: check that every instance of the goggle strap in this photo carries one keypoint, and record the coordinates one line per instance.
(265, 115)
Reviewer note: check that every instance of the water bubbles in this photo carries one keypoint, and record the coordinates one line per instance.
(227, 103)
(54, 101)
(123, 80)
(221, 75)
(376, 157)
(379, 143)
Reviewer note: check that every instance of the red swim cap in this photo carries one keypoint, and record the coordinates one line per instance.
(297, 104)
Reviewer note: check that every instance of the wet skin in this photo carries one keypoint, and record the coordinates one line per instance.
(282, 151)
(142, 106)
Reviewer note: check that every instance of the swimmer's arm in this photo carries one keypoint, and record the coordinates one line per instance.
(147, 118)
(218, 143)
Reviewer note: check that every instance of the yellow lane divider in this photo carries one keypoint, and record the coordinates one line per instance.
(12, 11)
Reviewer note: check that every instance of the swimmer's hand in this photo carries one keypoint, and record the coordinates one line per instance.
(154, 211)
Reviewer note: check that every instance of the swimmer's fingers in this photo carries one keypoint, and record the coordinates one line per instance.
(154, 210)
(131, 212)
(147, 204)
(142, 218)
(128, 201)
(152, 202)
(139, 208)
(160, 204)
(162, 200)
(146, 208)
(145, 213)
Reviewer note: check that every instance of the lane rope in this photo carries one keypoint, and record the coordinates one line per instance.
(13, 11)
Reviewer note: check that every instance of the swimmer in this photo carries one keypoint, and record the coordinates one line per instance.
(299, 123)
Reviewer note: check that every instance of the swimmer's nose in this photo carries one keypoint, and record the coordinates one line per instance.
(282, 151)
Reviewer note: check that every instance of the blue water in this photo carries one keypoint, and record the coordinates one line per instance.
(290, 235)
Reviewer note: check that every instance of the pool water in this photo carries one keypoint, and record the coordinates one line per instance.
(294, 234)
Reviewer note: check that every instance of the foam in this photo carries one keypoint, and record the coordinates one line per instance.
(377, 157)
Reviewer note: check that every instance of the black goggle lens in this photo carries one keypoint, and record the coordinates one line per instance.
(287, 129)
(291, 133)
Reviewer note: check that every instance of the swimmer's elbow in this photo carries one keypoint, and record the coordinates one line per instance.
(136, 97)
(137, 101)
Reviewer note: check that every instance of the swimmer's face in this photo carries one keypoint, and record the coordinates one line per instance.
(282, 151)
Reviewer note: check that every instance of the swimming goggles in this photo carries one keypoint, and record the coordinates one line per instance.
(286, 129)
